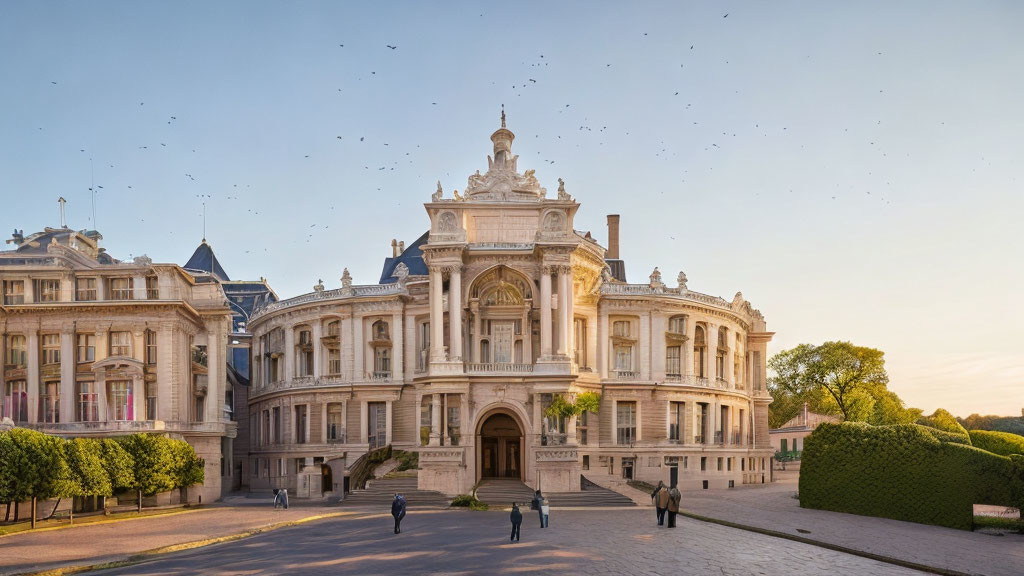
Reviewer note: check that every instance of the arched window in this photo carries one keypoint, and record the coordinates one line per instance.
(720, 354)
(304, 352)
(380, 330)
(332, 344)
(699, 351)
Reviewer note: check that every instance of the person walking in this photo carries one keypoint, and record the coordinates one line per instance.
(284, 497)
(673, 505)
(540, 504)
(277, 498)
(517, 519)
(660, 498)
(398, 511)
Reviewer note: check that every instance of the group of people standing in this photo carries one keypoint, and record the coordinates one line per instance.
(540, 504)
(666, 500)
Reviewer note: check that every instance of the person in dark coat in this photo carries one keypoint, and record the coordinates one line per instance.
(517, 519)
(660, 498)
(540, 503)
(673, 505)
(398, 511)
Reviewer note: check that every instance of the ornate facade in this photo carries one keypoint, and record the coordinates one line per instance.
(476, 327)
(93, 346)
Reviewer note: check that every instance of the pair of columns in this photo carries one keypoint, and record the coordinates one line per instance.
(563, 340)
(436, 417)
(437, 351)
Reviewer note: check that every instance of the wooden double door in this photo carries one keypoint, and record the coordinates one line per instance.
(501, 458)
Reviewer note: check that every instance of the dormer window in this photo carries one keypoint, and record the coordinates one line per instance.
(152, 288)
(85, 289)
(380, 331)
(120, 289)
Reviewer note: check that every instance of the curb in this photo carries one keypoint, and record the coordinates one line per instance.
(146, 555)
(102, 522)
(829, 546)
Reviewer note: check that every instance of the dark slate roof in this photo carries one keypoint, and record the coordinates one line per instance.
(244, 296)
(413, 259)
(203, 260)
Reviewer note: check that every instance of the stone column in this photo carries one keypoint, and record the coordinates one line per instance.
(455, 313)
(33, 374)
(138, 287)
(165, 372)
(101, 384)
(397, 349)
(477, 326)
(730, 371)
(67, 375)
(289, 352)
(711, 339)
(317, 334)
(435, 420)
(643, 348)
(465, 426)
(139, 343)
(602, 342)
(30, 292)
(570, 314)
(216, 378)
(358, 350)
(545, 312)
(563, 310)
(436, 316)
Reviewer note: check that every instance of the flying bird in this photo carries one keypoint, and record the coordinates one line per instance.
(392, 47)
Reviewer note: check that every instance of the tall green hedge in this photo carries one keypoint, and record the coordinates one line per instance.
(942, 420)
(904, 472)
(1003, 443)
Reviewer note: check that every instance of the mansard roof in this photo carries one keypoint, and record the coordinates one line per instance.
(204, 260)
(412, 257)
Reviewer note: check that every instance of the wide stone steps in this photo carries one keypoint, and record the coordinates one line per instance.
(503, 492)
(381, 493)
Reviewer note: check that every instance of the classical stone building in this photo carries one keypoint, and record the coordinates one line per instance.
(93, 346)
(471, 332)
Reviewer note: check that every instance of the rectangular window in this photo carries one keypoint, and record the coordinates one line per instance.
(16, 401)
(382, 362)
(276, 437)
(719, 463)
(580, 326)
(453, 425)
(676, 418)
(86, 348)
(335, 432)
(701, 418)
(304, 354)
(150, 347)
(784, 445)
(677, 325)
(47, 290)
(51, 349)
(625, 422)
(703, 463)
(423, 346)
(151, 400)
(49, 402)
(120, 289)
(85, 289)
(623, 358)
(152, 288)
(620, 328)
(673, 365)
(300, 424)
(120, 344)
(376, 424)
(334, 360)
(14, 292)
(121, 400)
(17, 351)
(265, 430)
(88, 407)
(582, 428)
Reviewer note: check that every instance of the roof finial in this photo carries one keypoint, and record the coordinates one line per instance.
(502, 115)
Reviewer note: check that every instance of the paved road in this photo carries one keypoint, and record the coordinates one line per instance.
(620, 542)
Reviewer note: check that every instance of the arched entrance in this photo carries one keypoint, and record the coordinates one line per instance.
(500, 447)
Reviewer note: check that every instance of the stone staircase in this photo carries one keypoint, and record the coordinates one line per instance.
(619, 486)
(381, 492)
(501, 492)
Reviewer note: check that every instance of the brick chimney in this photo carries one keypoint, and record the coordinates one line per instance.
(613, 237)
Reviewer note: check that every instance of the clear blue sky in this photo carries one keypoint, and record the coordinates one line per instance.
(853, 168)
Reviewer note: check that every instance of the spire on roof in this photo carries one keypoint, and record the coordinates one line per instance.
(204, 260)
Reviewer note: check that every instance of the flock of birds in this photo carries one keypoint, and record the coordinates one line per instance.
(400, 157)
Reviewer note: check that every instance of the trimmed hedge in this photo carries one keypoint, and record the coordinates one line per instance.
(905, 472)
(943, 420)
(1002, 443)
(944, 436)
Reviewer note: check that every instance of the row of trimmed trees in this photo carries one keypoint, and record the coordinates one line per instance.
(36, 466)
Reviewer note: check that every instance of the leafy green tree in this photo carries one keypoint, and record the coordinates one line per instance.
(1011, 424)
(118, 463)
(85, 461)
(188, 467)
(889, 409)
(153, 463)
(33, 467)
(846, 373)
